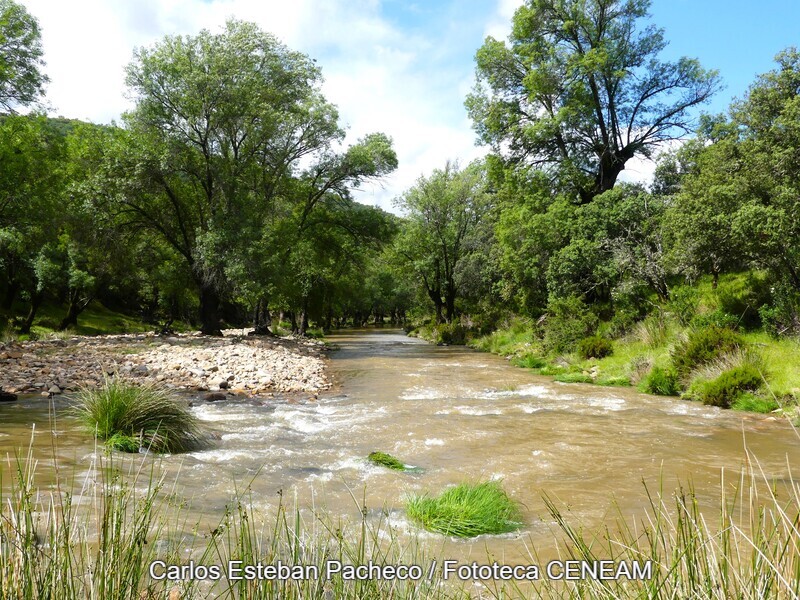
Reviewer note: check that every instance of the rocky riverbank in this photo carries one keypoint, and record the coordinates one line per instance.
(236, 363)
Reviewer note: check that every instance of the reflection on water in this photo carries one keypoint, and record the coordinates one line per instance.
(457, 414)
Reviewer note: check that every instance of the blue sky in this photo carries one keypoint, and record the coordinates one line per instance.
(395, 66)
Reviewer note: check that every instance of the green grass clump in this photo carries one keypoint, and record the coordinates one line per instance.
(595, 347)
(753, 403)
(703, 346)
(386, 460)
(574, 378)
(529, 361)
(614, 381)
(663, 382)
(122, 413)
(467, 510)
(726, 389)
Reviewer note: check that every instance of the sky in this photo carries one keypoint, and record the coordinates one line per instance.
(400, 67)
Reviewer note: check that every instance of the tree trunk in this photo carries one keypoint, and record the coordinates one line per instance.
(209, 310)
(293, 321)
(11, 294)
(262, 318)
(76, 307)
(36, 302)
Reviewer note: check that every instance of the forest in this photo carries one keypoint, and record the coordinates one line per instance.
(225, 199)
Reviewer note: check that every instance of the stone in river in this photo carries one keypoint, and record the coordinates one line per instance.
(223, 385)
(7, 396)
(54, 389)
(214, 397)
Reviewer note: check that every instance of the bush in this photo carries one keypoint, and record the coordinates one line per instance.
(662, 382)
(568, 321)
(718, 318)
(703, 346)
(452, 334)
(726, 389)
(683, 303)
(595, 347)
(467, 510)
(145, 416)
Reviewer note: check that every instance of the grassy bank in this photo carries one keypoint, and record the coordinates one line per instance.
(707, 343)
(97, 539)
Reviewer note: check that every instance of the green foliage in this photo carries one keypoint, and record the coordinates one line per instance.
(702, 346)
(717, 318)
(568, 321)
(683, 303)
(595, 347)
(753, 403)
(386, 460)
(21, 79)
(447, 216)
(573, 378)
(726, 389)
(663, 382)
(529, 361)
(575, 80)
(467, 510)
(124, 443)
(145, 413)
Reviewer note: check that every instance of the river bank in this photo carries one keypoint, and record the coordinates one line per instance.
(632, 359)
(233, 364)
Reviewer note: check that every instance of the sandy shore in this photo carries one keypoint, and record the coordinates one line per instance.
(235, 363)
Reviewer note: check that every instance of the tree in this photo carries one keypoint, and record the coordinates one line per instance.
(580, 91)
(223, 126)
(21, 81)
(445, 212)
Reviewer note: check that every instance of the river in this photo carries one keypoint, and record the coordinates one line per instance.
(458, 415)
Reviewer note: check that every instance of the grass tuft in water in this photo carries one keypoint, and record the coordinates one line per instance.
(128, 416)
(386, 460)
(467, 510)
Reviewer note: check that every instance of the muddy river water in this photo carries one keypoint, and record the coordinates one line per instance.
(459, 415)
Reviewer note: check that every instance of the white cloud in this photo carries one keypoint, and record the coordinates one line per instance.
(408, 83)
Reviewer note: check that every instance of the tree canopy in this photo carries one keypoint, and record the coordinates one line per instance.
(580, 90)
(21, 79)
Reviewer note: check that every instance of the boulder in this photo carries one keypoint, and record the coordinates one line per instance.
(7, 396)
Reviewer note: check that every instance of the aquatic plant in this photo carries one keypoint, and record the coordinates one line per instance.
(122, 413)
(467, 510)
(386, 460)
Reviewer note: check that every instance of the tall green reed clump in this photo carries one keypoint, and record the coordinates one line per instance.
(296, 539)
(129, 416)
(89, 539)
(751, 550)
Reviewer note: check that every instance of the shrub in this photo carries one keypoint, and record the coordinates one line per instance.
(146, 414)
(451, 334)
(614, 381)
(568, 321)
(595, 347)
(718, 318)
(726, 389)
(662, 382)
(386, 460)
(467, 510)
(703, 346)
(683, 303)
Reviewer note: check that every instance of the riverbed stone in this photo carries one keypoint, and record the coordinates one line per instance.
(184, 361)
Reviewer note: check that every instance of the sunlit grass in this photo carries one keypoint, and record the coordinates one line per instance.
(131, 416)
(467, 510)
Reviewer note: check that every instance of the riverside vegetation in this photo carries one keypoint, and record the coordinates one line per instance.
(689, 284)
(101, 547)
